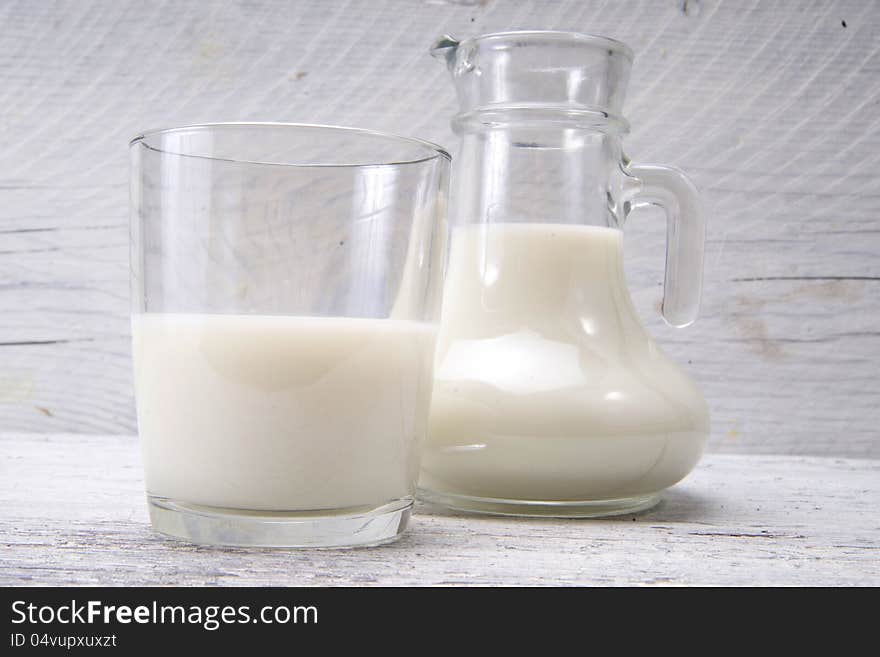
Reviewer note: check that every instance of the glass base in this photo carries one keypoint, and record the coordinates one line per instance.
(532, 508)
(341, 528)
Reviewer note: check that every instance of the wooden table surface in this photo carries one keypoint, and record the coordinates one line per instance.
(74, 513)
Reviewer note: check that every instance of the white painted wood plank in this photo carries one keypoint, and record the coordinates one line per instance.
(74, 513)
(772, 106)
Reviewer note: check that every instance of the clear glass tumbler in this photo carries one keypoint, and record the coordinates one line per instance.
(285, 284)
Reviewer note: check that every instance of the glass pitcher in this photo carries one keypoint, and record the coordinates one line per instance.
(550, 398)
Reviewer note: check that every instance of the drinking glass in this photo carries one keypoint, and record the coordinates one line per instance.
(285, 284)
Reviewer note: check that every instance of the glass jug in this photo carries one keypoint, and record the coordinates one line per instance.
(550, 398)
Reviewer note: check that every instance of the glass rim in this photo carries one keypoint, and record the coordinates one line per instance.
(436, 151)
(597, 39)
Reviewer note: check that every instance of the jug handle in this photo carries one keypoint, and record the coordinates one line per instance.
(670, 189)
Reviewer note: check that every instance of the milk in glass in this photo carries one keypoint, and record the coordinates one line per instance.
(279, 413)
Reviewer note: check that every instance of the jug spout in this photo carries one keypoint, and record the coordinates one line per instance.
(444, 48)
(566, 70)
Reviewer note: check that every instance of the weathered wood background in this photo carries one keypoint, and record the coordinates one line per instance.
(774, 107)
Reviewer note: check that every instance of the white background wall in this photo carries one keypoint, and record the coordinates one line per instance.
(773, 107)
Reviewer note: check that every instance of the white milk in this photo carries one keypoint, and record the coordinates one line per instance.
(547, 387)
(281, 413)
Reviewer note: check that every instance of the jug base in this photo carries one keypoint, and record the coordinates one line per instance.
(533, 508)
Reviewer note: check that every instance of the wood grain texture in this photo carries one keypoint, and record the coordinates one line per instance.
(74, 513)
(774, 107)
